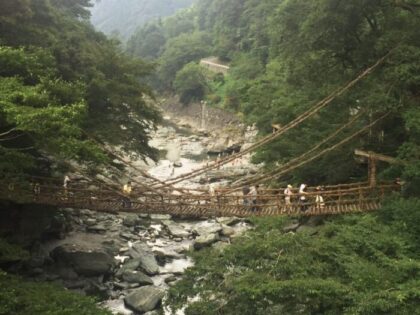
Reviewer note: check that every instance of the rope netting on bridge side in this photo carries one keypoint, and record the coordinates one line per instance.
(298, 120)
(304, 159)
(348, 198)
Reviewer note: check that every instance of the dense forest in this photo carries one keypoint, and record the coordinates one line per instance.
(117, 20)
(63, 84)
(285, 56)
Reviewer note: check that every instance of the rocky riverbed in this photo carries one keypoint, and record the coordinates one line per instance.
(130, 260)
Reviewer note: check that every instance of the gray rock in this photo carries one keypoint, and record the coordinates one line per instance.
(207, 228)
(145, 299)
(90, 222)
(160, 217)
(171, 278)
(122, 285)
(149, 264)
(205, 240)
(137, 277)
(87, 212)
(175, 229)
(166, 252)
(129, 265)
(67, 273)
(86, 263)
(138, 249)
(98, 228)
(228, 220)
(128, 236)
(227, 230)
(131, 220)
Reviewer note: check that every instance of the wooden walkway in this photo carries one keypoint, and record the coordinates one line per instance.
(341, 199)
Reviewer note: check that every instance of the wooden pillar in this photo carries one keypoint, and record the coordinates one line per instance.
(372, 172)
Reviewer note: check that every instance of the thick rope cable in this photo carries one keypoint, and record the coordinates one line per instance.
(309, 113)
(329, 149)
(142, 172)
(300, 157)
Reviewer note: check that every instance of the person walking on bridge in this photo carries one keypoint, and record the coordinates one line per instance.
(319, 200)
(245, 192)
(66, 185)
(127, 192)
(254, 197)
(302, 198)
(288, 196)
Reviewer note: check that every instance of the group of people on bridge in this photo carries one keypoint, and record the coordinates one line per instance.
(251, 197)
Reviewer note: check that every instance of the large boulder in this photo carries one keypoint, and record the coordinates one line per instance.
(131, 220)
(137, 277)
(84, 262)
(128, 266)
(205, 240)
(207, 227)
(147, 260)
(175, 229)
(144, 299)
(228, 220)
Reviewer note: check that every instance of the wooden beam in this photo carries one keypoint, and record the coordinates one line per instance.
(377, 156)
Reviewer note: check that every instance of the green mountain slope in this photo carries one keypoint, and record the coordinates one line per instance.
(124, 17)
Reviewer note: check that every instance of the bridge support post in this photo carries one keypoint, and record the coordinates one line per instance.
(372, 172)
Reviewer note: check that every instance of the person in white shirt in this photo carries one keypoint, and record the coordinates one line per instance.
(319, 200)
(66, 184)
(288, 196)
(302, 197)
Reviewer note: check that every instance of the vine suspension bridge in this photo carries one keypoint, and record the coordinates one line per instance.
(163, 197)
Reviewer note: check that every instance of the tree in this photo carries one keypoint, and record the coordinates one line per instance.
(60, 79)
(191, 83)
(179, 51)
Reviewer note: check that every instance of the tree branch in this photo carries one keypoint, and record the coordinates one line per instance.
(7, 132)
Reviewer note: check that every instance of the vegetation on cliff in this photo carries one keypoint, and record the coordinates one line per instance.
(359, 264)
(20, 297)
(59, 81)
(287, 55)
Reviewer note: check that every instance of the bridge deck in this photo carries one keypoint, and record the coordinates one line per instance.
(350, 198)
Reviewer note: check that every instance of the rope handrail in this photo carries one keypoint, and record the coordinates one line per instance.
(280, 171)
(307, 114)
(339, 201)
(306, 153)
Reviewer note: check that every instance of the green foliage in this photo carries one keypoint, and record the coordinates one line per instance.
(286, 55)
(61, 81)
(191, 83)
(362, 264)
(10, 253)
(111, 17)
(20, 297)
(180, 51)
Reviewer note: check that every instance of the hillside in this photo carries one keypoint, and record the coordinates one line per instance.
(124, 17)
